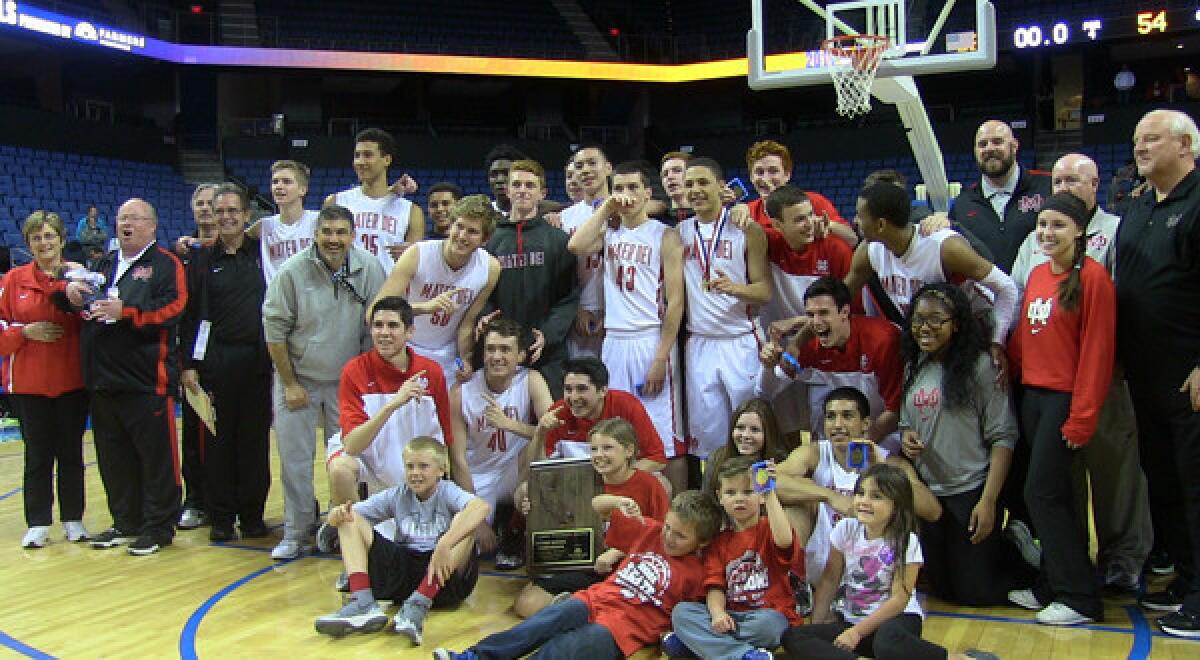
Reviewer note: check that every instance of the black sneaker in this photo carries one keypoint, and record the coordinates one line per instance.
(327, 539)
(111, 538)
(147, 545)
(221, 533)
(803, 592)
(1181, 624)
(1159, 563)
(1167, 600)
(257, 530)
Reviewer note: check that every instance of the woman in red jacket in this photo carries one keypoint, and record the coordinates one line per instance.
(1063, 350)
(40, 342)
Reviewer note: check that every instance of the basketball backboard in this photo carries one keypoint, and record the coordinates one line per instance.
(923, 38)
(939, 37)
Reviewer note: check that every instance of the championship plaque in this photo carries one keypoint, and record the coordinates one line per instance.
(564, 530)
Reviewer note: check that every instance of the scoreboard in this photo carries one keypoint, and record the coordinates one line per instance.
(1132, 23)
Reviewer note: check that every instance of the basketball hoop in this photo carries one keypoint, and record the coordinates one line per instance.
(853, 60)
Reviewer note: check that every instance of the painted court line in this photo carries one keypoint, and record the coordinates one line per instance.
(22, 648)
(187, 637)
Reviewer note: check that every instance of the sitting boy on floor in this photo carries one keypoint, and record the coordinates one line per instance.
(430, 562)
(630, 609)
(750, 601)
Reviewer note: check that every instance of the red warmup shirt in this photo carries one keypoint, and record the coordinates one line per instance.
(645, 489)
(870, 360)
(369, 376)
(825, 256)
(635, 602)
(752, 570)
(37, 367)
(1068, 351)
(570, 439)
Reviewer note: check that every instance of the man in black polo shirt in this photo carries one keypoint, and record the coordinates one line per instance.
(1158, 337)
(224, 352)
(1002, 208)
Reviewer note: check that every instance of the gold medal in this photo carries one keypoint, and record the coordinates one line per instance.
(706, 284)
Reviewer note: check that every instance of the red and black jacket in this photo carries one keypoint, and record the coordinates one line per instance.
(138, 353)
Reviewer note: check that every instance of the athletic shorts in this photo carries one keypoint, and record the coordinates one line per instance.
(628, 356)
(721, 372)
(397, 571)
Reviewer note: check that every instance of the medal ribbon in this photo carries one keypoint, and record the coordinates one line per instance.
(706, 255)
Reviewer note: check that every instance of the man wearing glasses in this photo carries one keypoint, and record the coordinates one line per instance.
(224, 353)
(313, 322)
(132, 373)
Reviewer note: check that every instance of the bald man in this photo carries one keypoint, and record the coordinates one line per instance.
(1122, 511)
(131, 370)
(1158, 340)
(1002, 208)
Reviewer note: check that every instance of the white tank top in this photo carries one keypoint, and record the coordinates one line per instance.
(433, 278)
(710, 313)
(378, 222)
(828, 474)
(590, 272)
(921, 264)
(633, 277)
(279, 240)
(489, 449)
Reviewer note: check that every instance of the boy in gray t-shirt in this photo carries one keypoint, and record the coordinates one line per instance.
(430, 562)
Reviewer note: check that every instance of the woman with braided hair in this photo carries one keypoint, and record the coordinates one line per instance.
(1062, 351)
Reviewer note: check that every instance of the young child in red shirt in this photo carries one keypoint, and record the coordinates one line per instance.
(630, 609)
(614, 447)
(750, 601)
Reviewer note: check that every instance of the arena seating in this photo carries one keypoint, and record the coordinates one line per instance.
(67, 183)
(520, 28)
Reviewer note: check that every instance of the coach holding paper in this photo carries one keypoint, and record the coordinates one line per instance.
(131, 368)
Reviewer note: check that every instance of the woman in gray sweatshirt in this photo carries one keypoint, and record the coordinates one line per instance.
(959, 431)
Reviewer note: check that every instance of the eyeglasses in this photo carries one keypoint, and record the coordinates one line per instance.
(225, 211)
(933, 322)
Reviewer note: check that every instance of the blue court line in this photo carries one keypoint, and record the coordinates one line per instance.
(23, 649)
(322, 555)
(1141, 633)
(187, 637)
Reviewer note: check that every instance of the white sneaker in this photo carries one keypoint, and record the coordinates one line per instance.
(76, 532)
(1057, 614)
(36, 537)
(1024, 598)
(290, 549)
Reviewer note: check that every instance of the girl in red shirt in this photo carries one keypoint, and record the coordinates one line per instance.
(40, 341)
(1063, 351)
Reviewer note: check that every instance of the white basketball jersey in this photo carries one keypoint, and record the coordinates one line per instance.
(378, 222)
(489, 450)
(435, 277)
(633, 277)
(710, 313)
(589, 268)
(921, 264)
(279, 240)
(828, 474)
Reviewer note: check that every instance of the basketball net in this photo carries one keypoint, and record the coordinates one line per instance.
(853, 61)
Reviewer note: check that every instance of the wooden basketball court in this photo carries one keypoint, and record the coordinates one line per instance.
(209, 600)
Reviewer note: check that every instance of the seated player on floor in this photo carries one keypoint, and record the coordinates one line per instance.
(430, 562)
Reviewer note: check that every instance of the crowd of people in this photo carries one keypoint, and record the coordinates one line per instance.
(792, 414)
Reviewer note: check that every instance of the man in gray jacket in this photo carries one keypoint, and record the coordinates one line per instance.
(313, 321)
